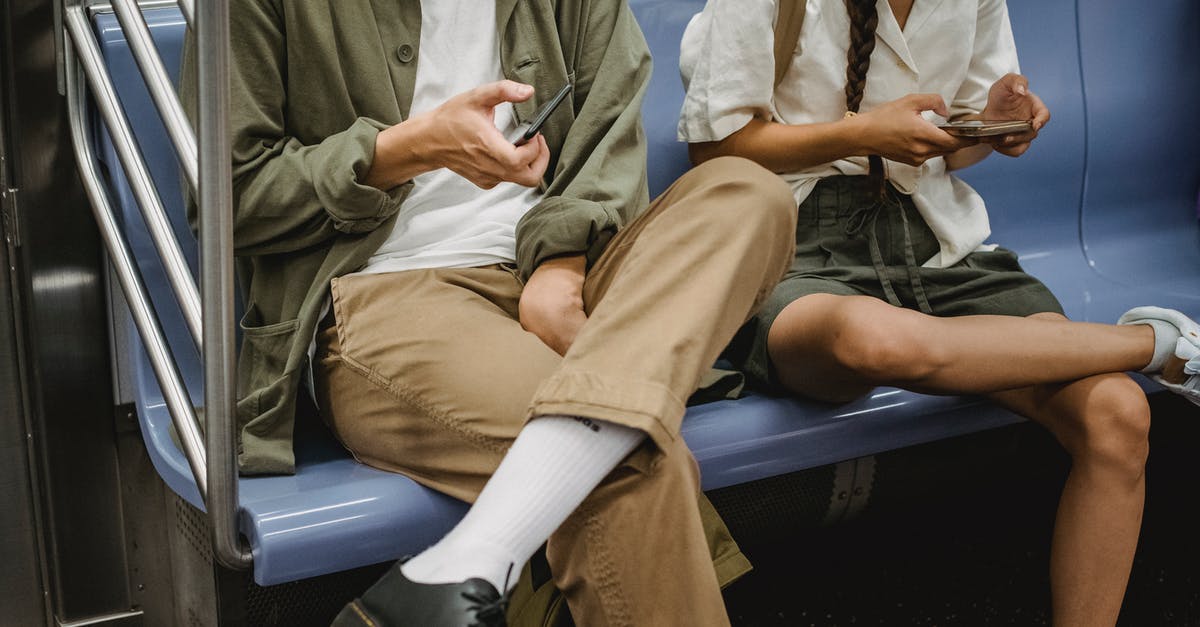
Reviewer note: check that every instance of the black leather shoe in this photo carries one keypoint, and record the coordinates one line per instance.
(395, 601)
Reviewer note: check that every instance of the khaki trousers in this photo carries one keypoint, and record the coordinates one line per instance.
(428, 373)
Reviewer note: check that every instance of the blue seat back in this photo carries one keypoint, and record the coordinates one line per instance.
(662, 22)
(1141, 76)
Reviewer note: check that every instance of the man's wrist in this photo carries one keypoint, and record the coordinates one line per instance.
(423, 143)
(402, 152)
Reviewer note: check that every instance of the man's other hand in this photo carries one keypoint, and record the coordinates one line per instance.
(552, 303)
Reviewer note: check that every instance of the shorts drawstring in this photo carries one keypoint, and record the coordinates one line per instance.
(867, 218)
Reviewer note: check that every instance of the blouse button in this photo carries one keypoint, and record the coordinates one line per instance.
(404, 53)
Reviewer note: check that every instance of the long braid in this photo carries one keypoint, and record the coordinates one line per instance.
(864, 19)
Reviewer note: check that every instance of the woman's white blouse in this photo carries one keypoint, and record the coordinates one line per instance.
(955, 48)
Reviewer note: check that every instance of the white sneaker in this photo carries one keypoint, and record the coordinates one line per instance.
(1178, 371)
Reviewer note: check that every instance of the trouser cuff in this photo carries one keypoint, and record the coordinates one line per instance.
(642, 405)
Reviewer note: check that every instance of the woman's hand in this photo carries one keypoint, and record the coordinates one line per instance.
(1010, 99)
(551, 304)
(460, 135)
(897, 131)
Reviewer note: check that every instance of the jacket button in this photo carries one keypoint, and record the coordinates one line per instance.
(404, 53)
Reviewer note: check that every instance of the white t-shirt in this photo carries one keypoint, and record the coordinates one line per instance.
(954, 48)
(446, 221)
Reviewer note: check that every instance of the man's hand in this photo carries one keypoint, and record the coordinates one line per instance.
(552, 303)
(897, 131)
(463, 137)
(1010, 99)
(460, 135)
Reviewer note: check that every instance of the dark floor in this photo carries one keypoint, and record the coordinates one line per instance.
(973, 548)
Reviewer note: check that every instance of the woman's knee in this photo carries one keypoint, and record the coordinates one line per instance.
(1110, 427)
(883, 343)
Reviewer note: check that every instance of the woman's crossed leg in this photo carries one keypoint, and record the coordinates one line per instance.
(1067, 376)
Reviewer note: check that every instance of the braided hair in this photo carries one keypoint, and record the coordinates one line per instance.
(864, 19)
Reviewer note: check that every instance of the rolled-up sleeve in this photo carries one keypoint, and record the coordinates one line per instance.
(994, 55)
(599, 181)
(727, 62)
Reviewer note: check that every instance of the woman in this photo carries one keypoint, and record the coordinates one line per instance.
(892, 283)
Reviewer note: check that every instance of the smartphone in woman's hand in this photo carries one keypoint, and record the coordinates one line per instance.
(986, 128)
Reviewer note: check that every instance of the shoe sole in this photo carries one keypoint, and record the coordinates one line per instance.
(1190, 393)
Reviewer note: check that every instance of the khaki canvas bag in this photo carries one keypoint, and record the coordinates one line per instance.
(787, 35)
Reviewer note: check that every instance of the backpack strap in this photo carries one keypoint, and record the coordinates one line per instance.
(787, 34)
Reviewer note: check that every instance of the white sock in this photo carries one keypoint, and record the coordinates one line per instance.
(554, 463)
(1169, 326)
(1165, 337)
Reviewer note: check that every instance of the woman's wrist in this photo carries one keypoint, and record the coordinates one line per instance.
(968, 156)
(856, 135)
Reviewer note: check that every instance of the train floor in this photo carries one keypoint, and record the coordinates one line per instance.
(976, 553)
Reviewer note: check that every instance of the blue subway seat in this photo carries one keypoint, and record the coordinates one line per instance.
(1101, 209)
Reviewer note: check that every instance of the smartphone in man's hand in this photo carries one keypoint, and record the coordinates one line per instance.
(528, 131)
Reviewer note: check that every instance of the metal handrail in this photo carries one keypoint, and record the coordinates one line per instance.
(213, 465)
(133, 24)
(178, 274)
(188, 8)
(179, 405)
(216, 278)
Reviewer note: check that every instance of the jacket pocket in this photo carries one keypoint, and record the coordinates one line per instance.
(265, 350)
(526, 71)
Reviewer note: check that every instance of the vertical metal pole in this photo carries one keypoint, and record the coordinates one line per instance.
(216, 279)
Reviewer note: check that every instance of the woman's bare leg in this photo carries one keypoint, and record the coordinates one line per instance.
(1103, 422)
(837, 347)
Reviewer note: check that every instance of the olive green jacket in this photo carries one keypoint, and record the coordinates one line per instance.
(312, 84)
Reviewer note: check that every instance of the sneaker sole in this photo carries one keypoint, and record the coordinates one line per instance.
(1190, 393)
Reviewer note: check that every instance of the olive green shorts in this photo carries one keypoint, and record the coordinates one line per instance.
(834, 256)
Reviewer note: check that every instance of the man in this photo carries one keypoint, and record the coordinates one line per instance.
(491, 320)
